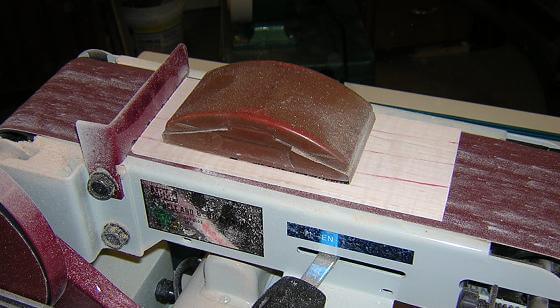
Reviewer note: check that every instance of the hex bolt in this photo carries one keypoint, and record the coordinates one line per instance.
(101, 185)
(114, 235)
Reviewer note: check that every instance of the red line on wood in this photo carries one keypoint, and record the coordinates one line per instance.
(404, 180)
(390, 133)
(431, 161)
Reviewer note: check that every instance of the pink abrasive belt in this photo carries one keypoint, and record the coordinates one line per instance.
(275, 114)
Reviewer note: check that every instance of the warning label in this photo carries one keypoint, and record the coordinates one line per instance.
(203, 217)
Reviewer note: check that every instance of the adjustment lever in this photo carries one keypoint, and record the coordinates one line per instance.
(294, 292)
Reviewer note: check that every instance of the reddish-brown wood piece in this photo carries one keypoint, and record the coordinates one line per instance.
(275, 114)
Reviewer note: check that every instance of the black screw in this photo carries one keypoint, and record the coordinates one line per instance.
(164, 292)
(101, 185)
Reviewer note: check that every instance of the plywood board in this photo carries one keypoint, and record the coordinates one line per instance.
(406, 165)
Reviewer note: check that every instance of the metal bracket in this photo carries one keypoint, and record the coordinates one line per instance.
(106, 146)
(318, 270)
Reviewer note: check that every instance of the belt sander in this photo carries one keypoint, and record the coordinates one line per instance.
(295, 192)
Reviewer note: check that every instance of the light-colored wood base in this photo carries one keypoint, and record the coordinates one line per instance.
(406, 165)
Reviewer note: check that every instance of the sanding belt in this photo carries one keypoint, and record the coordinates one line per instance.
(501, 191)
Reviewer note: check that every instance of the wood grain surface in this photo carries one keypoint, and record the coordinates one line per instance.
(406, 166)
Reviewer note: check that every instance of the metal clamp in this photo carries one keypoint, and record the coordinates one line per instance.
(104, 146)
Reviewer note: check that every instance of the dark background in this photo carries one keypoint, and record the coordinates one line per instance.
(501, 53)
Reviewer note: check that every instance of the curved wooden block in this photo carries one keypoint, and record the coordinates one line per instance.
(276, 114)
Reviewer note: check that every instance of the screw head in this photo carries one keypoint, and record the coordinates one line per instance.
(114, 235)
(101, 185)
(189, 231)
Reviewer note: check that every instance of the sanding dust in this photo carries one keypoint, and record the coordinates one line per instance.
(52, 157)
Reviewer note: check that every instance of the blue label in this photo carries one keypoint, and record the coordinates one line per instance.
(329, 238)
(350, 243)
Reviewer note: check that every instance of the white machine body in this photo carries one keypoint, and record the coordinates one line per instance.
(442, 260)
